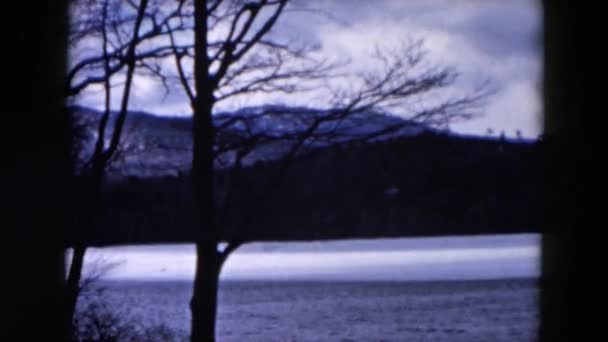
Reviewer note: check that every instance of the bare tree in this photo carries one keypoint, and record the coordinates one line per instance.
(98, 319)
(243, 61)
(232, 55)
(99, 19)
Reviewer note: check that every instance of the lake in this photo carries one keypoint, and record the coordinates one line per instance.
(471, 310)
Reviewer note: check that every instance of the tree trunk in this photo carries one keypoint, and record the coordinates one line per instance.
(204, 298)
(73, 287)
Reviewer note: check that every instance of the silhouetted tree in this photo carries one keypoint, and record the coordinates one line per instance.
(232, 55)
(100, 18)
(235, 65)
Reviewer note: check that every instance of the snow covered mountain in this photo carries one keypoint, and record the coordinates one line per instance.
(159, 145)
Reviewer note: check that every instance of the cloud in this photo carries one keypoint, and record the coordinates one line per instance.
(483, 40)
(516, 108)
(502, 29)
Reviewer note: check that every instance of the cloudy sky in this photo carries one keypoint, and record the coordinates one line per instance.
(484, 40)
(489, 40)
(493, 40)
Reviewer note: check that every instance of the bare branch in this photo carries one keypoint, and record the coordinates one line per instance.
(214, 6)
(107, 89)
(127, 88)
(231, 247)
(180, 69)
(118, 55)
(230, 55)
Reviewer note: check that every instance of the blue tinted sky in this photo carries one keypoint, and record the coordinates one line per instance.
(494, 40)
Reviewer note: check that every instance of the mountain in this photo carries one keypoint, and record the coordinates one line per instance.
(160, 145)
(425, 184)
(411, 180)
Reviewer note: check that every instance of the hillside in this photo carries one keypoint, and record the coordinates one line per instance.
(162, 145)
(415, 183)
